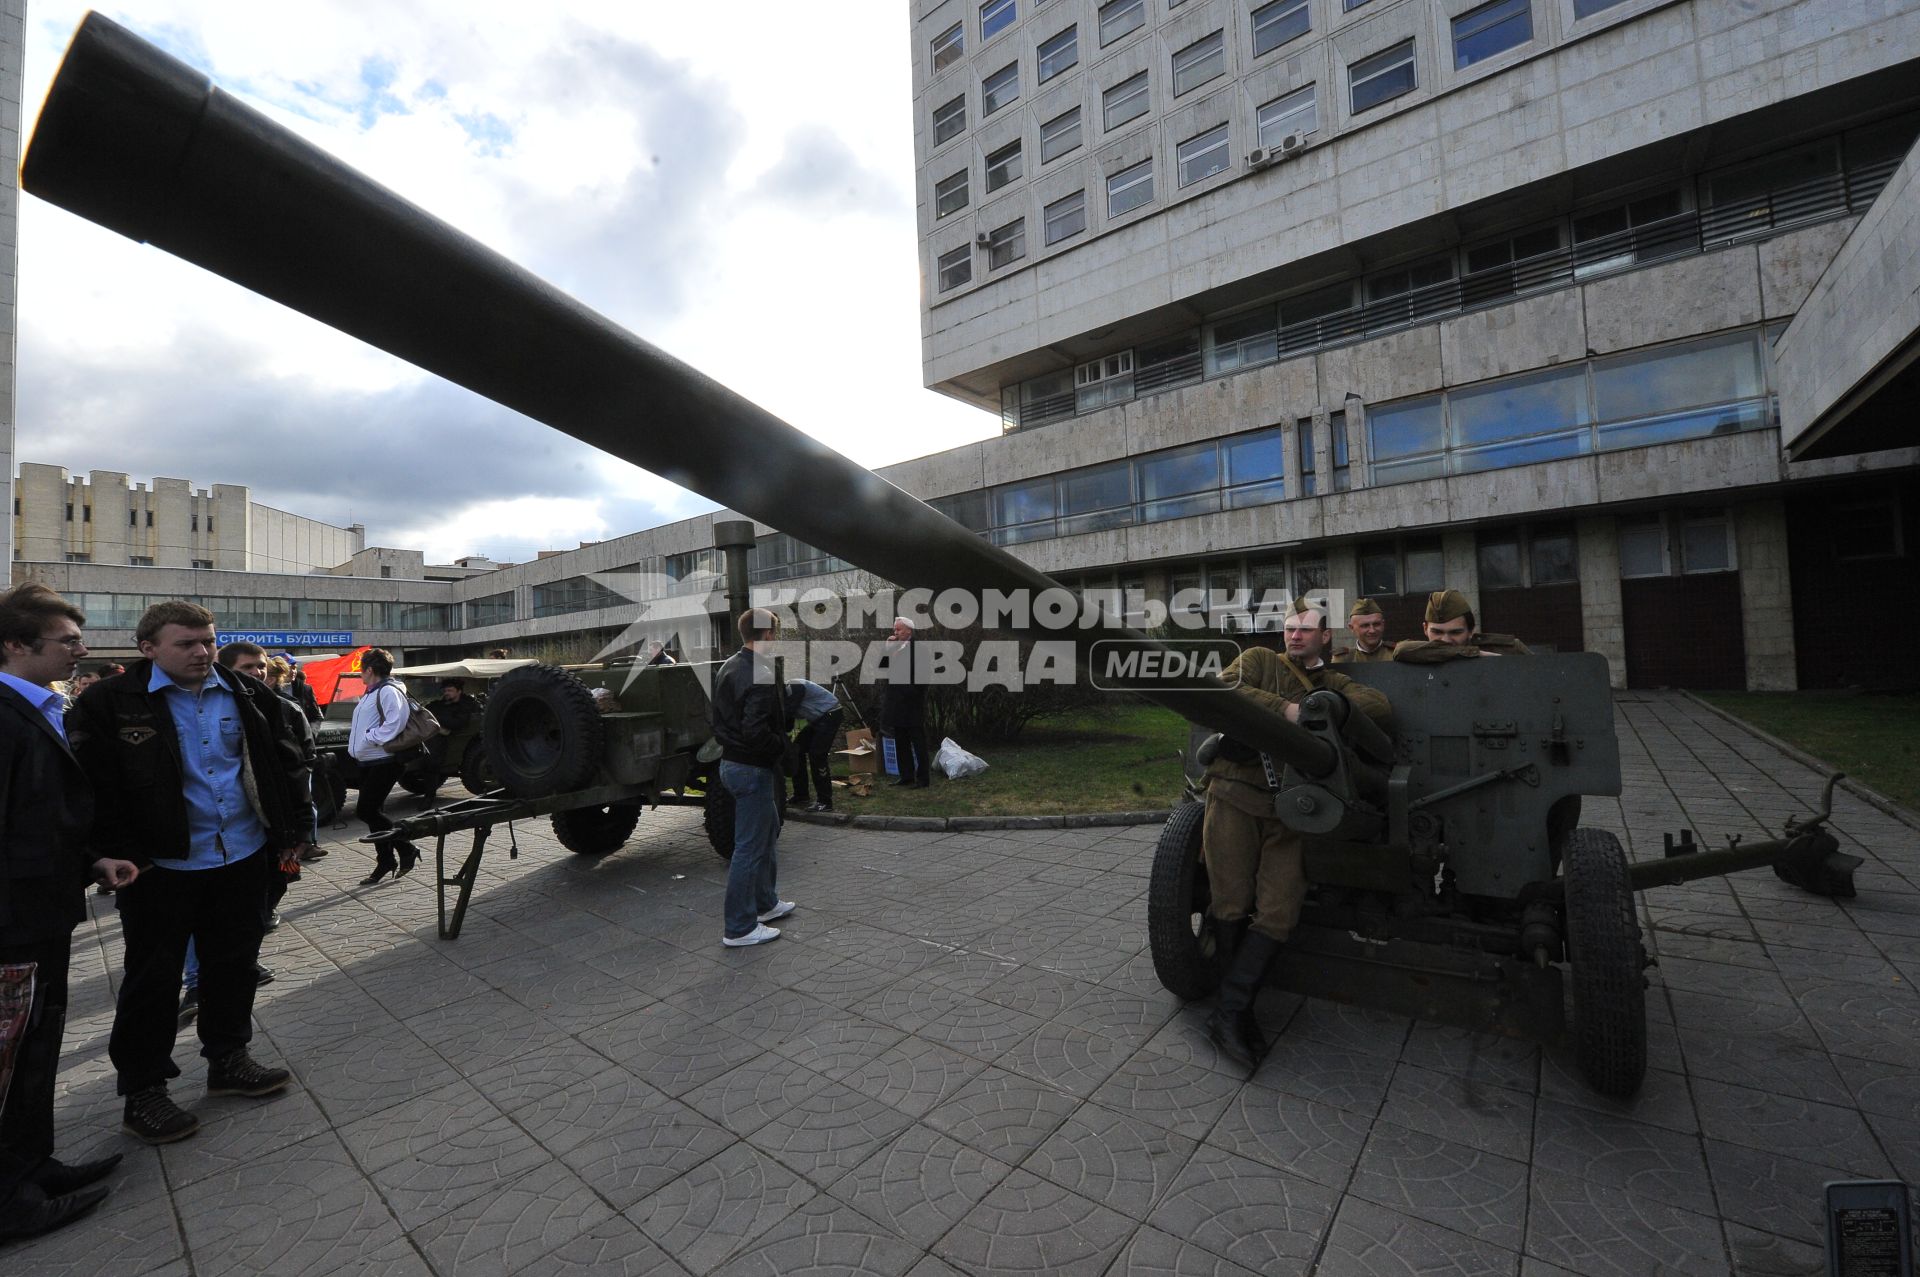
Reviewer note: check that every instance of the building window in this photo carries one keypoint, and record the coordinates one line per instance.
(140, 560)
(78, 556)
(1007, 244)
(1866, 530)
(198, 563)
(956, 268)
(948, 47)
(1514, 264)
(69, 512)
(133, 516)
(1539, 416)
(1412, 292)
(1642, 230)
(86, 516)
(1490, 29)
(1409, 440)
(1706, 542)
(995, 16)
(1003, 166)
(1203, 156)
(1241, 341)
(1125, 101)
(1689, 390)
(493, 609)
(1342, 472)
(1130, 188)
(1256, 468)
(1379, 570)
(574, 594)
(1104, 381)
(1382, 77)
(1587, 8)
(1057, 54)
(1169, 362)
(1304, 431)
(1180, 482)
(1275, 24)
(950, 120)
(1551, 556)
(1000, 88)
(149, 518)
(1023, 512)
(1643, 548)
(1203, 60)
(1426, 567)
(1117, 17)
(950, 194)
(1292, 114)
(1779, 190)
(1060, 135)
(1066, 217)
(1096, 498)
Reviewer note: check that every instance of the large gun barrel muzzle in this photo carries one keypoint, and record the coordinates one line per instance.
(141, 143)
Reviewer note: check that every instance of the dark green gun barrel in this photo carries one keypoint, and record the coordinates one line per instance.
(141, 143)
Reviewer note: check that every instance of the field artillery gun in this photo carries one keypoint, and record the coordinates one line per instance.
(141, 143)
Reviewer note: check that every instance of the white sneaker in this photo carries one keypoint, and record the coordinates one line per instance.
(759, 935)
(780, 910)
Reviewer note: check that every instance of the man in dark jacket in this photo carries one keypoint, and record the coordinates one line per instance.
(903, 708)
(750, 723)
(199, 778)
(45, 808)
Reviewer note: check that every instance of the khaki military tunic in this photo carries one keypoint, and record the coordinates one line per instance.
(1253, 860)
(1353, 655)
(1433, 652)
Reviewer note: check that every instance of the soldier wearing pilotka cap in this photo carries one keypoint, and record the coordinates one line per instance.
(1369, 626)
(1452, 634)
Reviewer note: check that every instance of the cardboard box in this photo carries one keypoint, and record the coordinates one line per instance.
(861, 754)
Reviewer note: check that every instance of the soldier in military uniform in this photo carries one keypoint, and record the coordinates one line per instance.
(1369, 626)
(1452, 634)
(1253, 860)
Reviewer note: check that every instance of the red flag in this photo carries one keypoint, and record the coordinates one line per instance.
(324, 676)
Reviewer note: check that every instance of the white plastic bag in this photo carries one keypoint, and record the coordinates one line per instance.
(957, 762)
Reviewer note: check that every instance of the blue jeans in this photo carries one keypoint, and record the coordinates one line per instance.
(756, 828)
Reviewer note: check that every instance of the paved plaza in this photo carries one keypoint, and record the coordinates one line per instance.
(958, 1060)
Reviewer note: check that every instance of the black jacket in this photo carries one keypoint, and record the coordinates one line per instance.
(749, 717)
(903, 701)
(46, 806)
(124, 737)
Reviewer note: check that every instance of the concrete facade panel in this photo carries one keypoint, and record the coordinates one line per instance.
(1766, 596)
(1694, 295)
(1390, 367)
(1791, 264)
(1534, 332)
(1706, 466)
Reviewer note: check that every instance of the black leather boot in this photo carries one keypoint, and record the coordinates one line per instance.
(1233, 1028)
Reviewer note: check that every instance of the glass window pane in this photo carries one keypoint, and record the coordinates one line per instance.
(1203, 60)
(1125, 101)
(1405, 429)
(950, 194)
(1130, 188)
(1382, 77)
(1060, 135)
(1490, 29)
(1007, 244)
(1183, 470)
(1516, 407)
(1203, 156)
(1277, 23)
(1000, 88)
(1704, 547)
(1294, 113)
(1587, 8)
(948, 46)
(950, 120)
(1643, 549)
(1003, 166)
(1119, 17)
(1256, 456)
(1022, 502)
(996, 16)
(956, 267)
(1066, 217)
(1426, 569)
(1500, 563)
(1551, 558)
(1098, 488)
(1716, 370)
(1057, 54)
(1379, 571)
(1242, 341)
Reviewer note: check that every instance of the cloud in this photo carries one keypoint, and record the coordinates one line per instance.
(820, 172)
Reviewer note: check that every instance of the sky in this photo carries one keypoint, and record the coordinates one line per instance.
(733, 183)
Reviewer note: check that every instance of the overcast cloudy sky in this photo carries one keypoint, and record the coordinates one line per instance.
(732, 182)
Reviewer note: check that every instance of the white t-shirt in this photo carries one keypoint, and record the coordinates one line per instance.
(379, 716)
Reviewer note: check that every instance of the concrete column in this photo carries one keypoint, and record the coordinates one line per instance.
(113, 536)
(1343, 579)
(42, 492)
(231, 542)
(1360, 475)
(173, 535)
(1602, 618)
(1323, 449)
(1462, 557)
(1766, 596)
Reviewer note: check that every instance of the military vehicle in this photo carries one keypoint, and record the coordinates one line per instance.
(1465, 857)
(456, 754)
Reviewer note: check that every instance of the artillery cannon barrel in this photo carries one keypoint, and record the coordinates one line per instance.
(143, 144)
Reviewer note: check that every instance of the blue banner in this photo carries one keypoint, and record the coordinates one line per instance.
(289, 638)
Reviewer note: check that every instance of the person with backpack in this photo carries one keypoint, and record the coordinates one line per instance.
(379, 719)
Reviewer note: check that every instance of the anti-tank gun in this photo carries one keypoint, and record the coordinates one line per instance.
(143, 144)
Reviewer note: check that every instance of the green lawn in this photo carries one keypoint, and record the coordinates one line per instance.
(1874, 738)
(1125, 760)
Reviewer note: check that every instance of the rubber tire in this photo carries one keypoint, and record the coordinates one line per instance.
(719, 818)
(1177, 895)
(425, 784)
(475, 775)
(595, 831)
(1606, 959)
(542, 733)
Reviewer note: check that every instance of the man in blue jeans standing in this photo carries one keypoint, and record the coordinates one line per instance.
(750, 723)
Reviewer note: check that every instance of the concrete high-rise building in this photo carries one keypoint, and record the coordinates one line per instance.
(1385, 295)
(13, 24)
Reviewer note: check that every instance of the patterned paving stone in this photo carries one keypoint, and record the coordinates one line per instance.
(1068, 1059)
(824, 1239)
(1001, 1114)
(437, 1176)
(828, 1131)
(1030, 1225)
(1444, 1183)
(1771, 1192)
(712, 1211)
(1153, 1253)
(501, 1232)
(1372, 1241)
(304, 1208)
(1037, 992)
(1866, 1022)
(1259, 1217)
(408, 1129)
(920, 1184)
(233, 1137)
(1350, 1027)
(915, 1001)
(1313, 1070)
(776, 1018)
(358, 1075)
(1112, 1158)
(748, 1097)
(683, 1061)
(976, 1027)
(1665, 1097)
(541, 1073)
(140, 1231)
(913, 1075)
(613, 1249)
(1590, 1228)
(1503, 1061)
(1648, 1161)
(1318, 1141)
(563, 1120)
(1797, 1128)
(1460, 1108)
(1174, 1094)
(836, 1043)
(648, 1149)
(1758, 1254)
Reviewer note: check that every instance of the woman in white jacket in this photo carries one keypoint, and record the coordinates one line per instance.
(380, 716)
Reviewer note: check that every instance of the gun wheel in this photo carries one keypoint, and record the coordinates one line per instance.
(476, 776)
(1178, 932)
(595, 831)
(719, 818)
(542, 732)
(1606, 959)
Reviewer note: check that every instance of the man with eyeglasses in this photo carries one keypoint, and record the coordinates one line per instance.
(46, 805)
(1255, 873)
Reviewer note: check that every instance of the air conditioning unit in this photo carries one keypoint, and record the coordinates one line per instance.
(1259, 157)
(983, 240)
(1291, 144)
